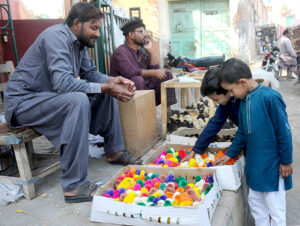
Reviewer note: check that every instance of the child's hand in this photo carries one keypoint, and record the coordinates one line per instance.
(222, 160)
(188, 157)
(285, 170)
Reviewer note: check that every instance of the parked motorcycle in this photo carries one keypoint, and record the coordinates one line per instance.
(269, 62)
(191, 65)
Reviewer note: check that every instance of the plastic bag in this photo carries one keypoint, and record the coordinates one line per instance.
(259, 73)
(10, 193)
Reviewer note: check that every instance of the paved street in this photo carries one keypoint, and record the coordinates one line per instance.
(49, 207)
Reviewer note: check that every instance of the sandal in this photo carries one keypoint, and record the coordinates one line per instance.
(127, 159)
(84, 194)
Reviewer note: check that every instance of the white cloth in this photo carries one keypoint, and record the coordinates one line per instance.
(268, 208)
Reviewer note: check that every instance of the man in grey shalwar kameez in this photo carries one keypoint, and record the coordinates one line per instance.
(287, 57)
(44, 93)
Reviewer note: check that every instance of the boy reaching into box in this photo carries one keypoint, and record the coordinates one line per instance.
(265, 133)
(228, 108)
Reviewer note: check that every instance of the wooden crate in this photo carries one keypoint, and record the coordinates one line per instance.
(185, 88)
(138, 120)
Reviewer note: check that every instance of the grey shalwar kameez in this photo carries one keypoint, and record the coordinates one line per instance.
(287, 57)
(45, 94)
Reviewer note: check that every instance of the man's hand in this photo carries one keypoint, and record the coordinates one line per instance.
(222, 160)
(188, 157)
(285, 170)
(148, 45)
(118, 91)
(121, 80)
(161, 73)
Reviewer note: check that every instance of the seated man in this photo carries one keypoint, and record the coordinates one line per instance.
(228, 108)
(44, 93)
(142, 67)
(288, 57)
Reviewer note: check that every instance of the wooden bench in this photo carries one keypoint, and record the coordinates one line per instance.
(21, 140)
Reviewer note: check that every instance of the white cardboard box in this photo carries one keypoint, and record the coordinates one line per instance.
(179, 136)
(229, 176)
(107, 210)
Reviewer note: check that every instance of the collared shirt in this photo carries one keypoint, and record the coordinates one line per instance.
(129, 63)
(52, 64)
(215, 124)
(264, 129)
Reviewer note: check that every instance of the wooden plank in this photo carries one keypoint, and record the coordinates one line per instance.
(189, 97)
(183, 93)
(24, 169)
(164, 109)
(30, 152)
(13, 180)
(183, 84)
(197, 93)
(41, 174)
(10, 136)
(45, 172)
(46, 155)
(4, 68)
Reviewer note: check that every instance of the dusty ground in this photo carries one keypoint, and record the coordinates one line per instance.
(49, 207)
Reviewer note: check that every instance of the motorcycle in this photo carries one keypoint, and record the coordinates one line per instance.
(269, 62)
(191, 65)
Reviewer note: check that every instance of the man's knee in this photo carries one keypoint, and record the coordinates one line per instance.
(139, 82)
(169, 76)
(78, 99)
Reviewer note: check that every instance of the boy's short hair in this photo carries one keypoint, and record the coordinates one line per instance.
(210, 83)
(233, 70)
(84, 12)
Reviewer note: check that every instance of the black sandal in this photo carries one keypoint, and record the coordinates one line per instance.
(84, 194)
(127, 159)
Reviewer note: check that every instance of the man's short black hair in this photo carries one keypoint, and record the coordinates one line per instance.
(286, 31)
(210, 83)
(84, 12)
(233, 70)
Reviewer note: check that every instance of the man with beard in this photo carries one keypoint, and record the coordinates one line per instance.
(136, 60)
(45, 94)
(288, 57)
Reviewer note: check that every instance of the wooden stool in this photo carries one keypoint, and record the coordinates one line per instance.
(289, 73)
(21, 140)
(7, 68)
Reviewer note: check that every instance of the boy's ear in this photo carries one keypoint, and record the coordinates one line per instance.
(243, 81)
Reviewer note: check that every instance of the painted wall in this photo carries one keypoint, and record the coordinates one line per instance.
(149, 12)
(164, 28)
(149, 15)
(244, 16)
(26, 31)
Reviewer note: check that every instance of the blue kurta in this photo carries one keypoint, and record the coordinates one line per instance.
(264, 128)
(230, 110)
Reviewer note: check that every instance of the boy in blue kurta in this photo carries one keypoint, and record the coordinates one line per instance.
(265, 132)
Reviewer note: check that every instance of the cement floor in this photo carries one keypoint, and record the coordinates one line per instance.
(49, 208)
